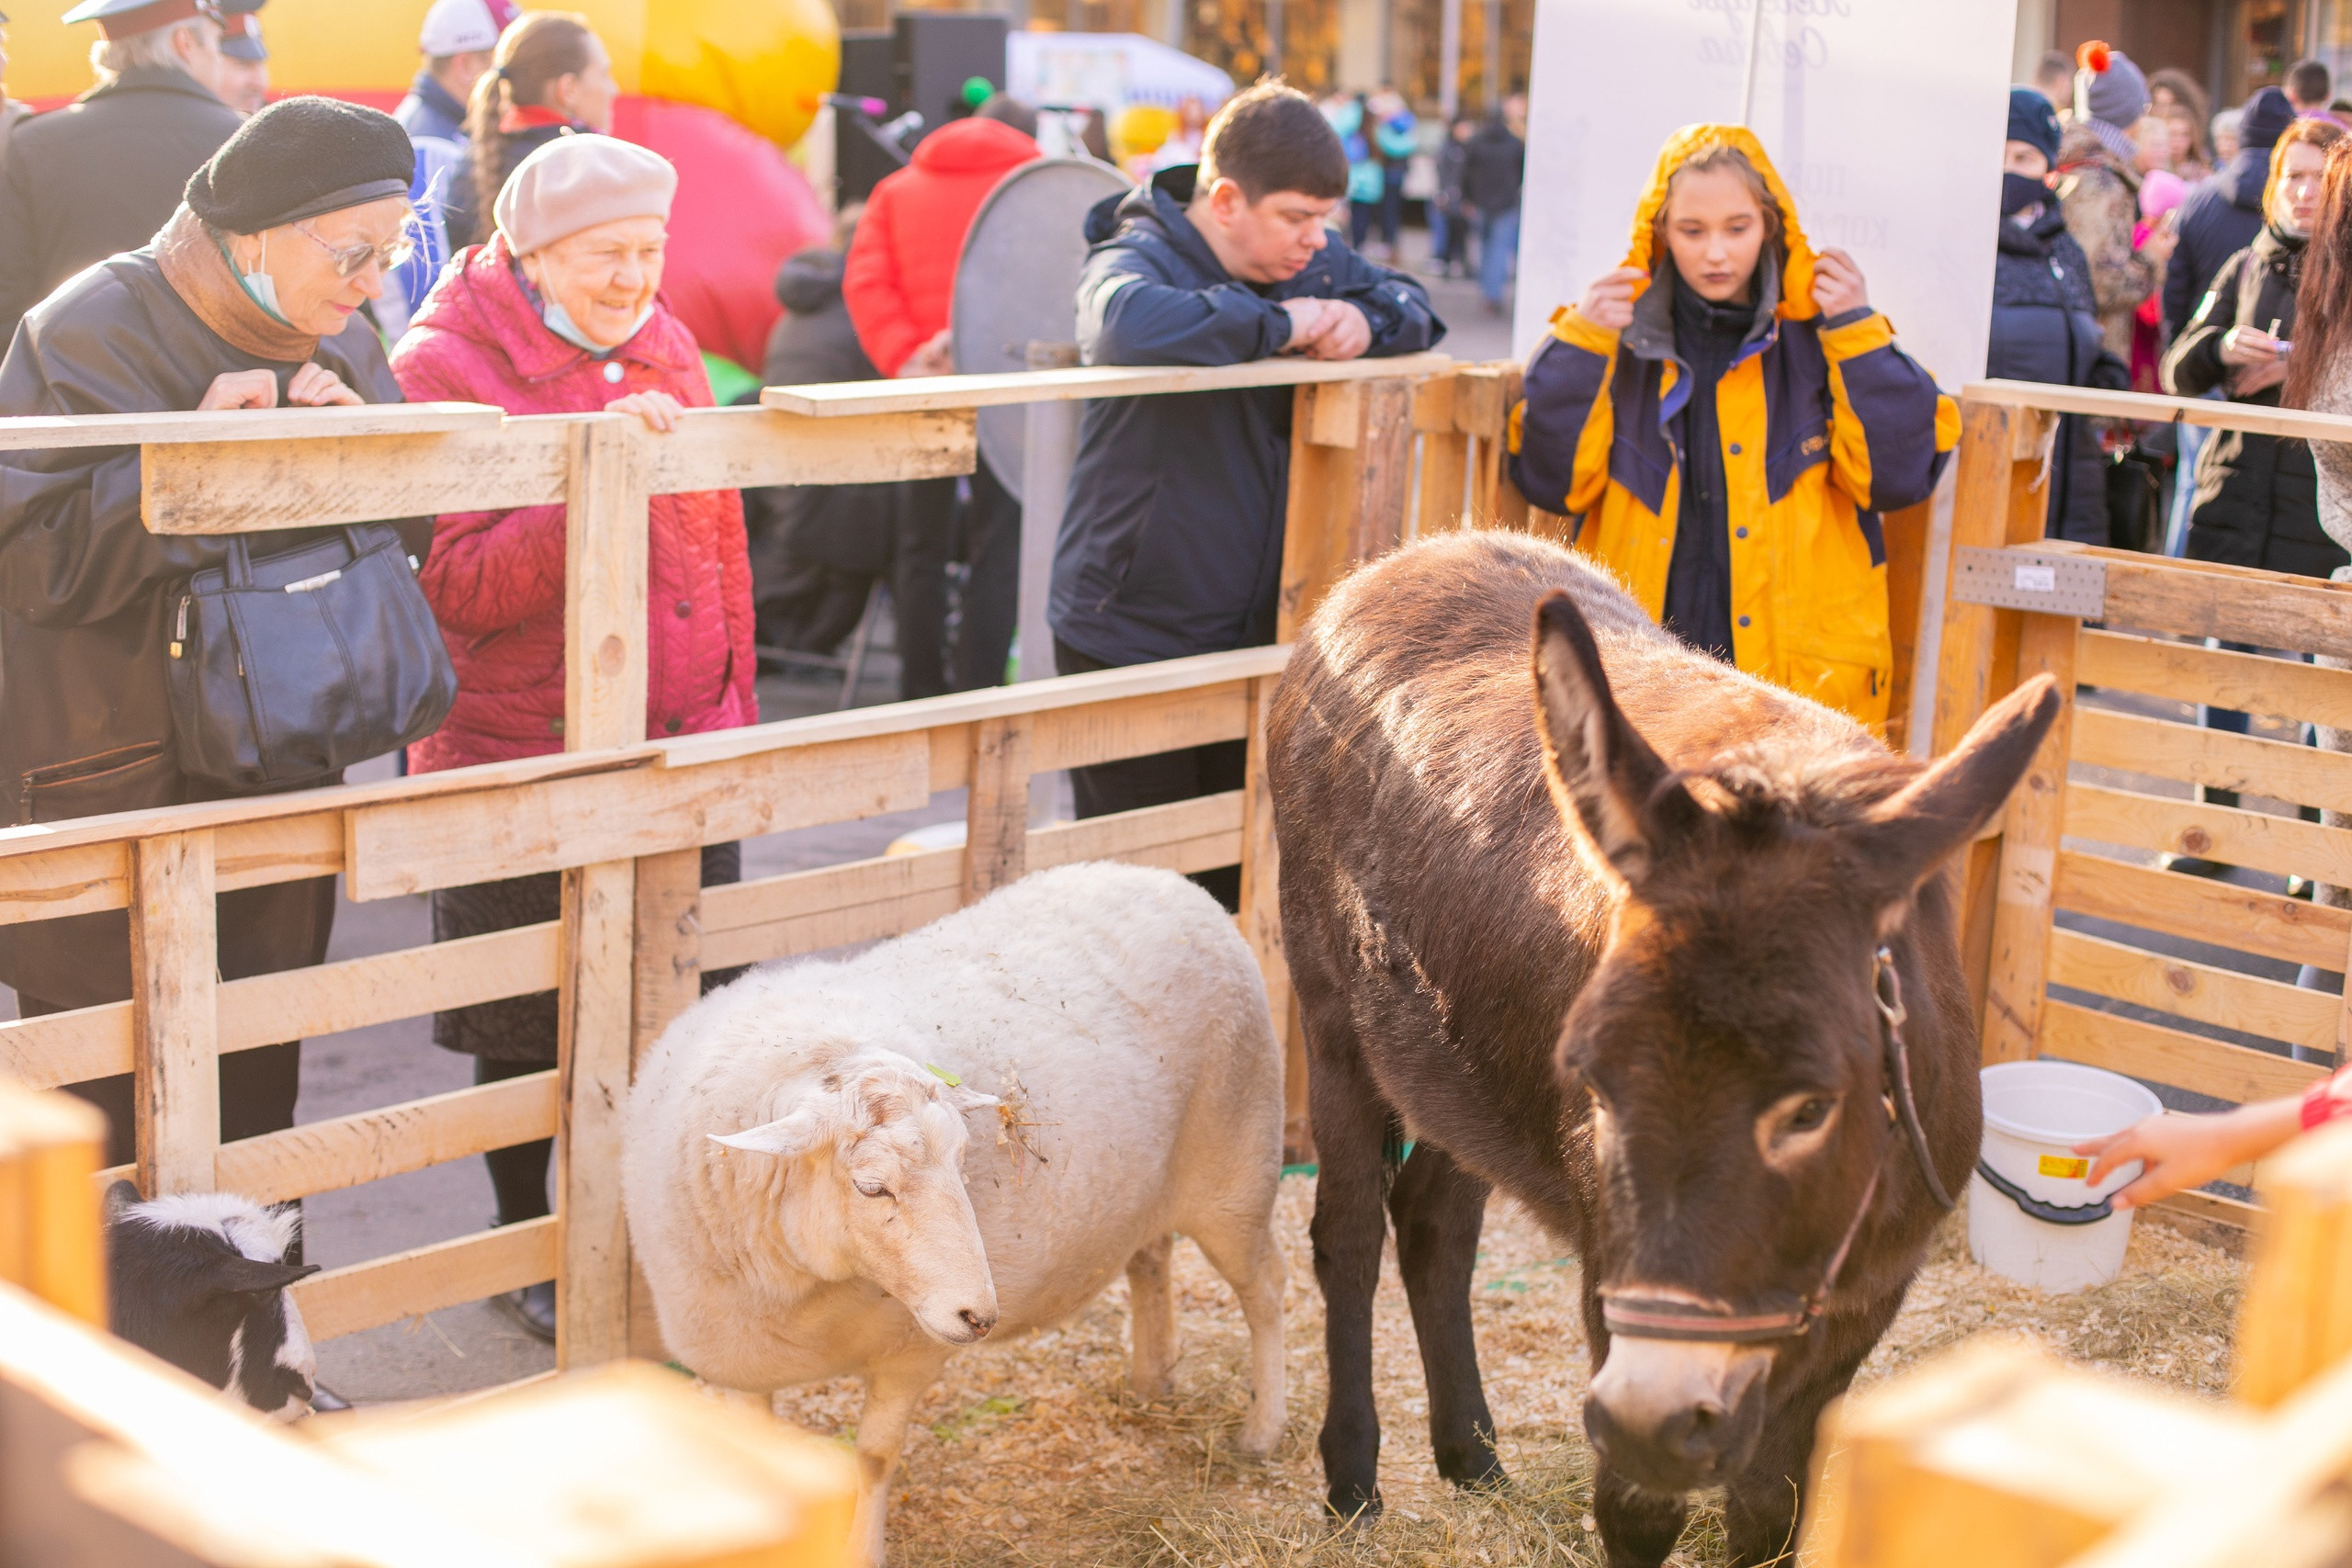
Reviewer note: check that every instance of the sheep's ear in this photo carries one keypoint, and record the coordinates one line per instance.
(120, 1196)
(964, 1098)
(786, 1137)
(253, 1276)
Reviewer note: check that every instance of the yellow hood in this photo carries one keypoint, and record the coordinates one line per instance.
(1797, 278)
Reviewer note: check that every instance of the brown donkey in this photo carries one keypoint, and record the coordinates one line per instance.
(1616, 940)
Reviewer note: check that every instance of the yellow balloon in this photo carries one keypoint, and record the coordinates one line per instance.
(763, 64)
(1139, 129)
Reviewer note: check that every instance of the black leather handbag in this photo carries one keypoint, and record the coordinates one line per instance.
(290, 667)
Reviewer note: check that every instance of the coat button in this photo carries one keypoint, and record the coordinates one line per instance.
(1743, 620)
(1739, 534)
(686, 608)
(613, 371)
(671, 724)
(1735, 448)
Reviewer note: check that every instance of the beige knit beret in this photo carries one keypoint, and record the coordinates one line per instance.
(577, 182)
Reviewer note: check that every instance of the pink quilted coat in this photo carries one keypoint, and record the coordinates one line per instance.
(495, 578)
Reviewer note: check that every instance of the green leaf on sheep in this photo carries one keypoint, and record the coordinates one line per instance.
(950, 1080)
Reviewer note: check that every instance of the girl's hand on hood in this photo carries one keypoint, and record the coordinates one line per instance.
(1837, 285)
(1609, 302)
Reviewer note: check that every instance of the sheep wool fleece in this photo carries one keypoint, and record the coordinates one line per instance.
(495, 578)
(1114, 1008)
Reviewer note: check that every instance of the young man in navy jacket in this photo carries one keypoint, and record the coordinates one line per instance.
(1171, 543)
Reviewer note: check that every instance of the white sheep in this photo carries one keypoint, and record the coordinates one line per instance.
(856, 1167)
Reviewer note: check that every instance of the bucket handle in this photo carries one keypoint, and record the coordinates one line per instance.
(2051, 1213)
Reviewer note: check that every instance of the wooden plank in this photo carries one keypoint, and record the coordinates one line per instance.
(403, 847)
(1261, 920)
(2294, 931)
(728, 448)
(1905, 532)
(996, 814)
(426, 1279)
(45, 433)
(2132, 744)
(1482, 406)
(2172, 1056)
(50, 1232)
(2248, 682)
(916, 394)
(593, 1062)
(2296, 1319)
(1976, 665)
(2263, 609)
(605, 631)
(77, 881)
(297, 1004)
(2209, 1209)
(325, 1157)
(68, 1047)
(1347, 503)
(2153, 407)
(667, 948)
(1061, 693)
(2201, 991)
(1138, 727)
(2285, 846)
(174, 1018)
(38, 841)
(289, 482)
(1334, 414)
(1440, 507)
(2031, 829)
(279, 849)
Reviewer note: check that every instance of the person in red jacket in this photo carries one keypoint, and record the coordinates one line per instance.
(899, 281)
(561, 312)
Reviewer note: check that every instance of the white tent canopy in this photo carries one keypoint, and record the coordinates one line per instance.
(1107, 71)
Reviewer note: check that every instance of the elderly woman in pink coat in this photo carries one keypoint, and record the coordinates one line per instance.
(561, 312)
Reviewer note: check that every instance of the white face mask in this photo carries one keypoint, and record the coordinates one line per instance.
(560, 323)
(264, 287)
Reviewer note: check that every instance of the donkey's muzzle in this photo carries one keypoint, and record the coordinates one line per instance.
(1676, 1416)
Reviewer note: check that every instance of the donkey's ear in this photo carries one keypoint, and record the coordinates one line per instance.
(1609, 783)
(1911, 831)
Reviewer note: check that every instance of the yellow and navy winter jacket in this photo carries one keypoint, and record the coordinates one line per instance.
(1825, 425)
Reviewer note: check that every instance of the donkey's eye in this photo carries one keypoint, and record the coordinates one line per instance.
(1809, 1115)
(875, 1189)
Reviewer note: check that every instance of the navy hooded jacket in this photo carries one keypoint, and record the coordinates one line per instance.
(1171, 543)
(2217, 220)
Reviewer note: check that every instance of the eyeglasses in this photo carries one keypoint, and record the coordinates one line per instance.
(349, 259)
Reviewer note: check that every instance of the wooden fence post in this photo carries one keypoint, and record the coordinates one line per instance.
(2031, 829)
(50, 1241)
(1905, 534)
(667, 980)
(1998, 498)
(1261, 924)
(1440, 505)
(175, 1016)
(1351, 481)
(606, 506)
(996, 806)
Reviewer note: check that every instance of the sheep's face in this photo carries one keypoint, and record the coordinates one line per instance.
(876, 1191)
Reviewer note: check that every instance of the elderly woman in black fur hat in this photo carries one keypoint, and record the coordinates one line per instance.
(252, 296)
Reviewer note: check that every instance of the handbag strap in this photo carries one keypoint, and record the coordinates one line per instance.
(241, 562)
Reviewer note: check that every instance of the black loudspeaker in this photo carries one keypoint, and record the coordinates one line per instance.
(938, 51)
(869, 70)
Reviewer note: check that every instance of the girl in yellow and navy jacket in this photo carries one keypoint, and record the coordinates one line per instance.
(1727, 441)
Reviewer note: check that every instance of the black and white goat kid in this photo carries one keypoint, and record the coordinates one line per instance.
(199, 1280)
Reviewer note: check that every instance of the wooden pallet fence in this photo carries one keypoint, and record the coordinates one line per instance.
(1382, 452)
(2116, 785)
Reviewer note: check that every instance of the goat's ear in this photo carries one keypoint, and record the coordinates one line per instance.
(243, 1276)
(1911, 832)
(786, 1137)
(1607, 780)
(120, 1197)
(964, 1098)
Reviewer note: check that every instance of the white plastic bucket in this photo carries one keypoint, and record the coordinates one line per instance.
(2034, 1114)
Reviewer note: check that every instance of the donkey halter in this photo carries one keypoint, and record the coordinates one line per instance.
(1638, 1317)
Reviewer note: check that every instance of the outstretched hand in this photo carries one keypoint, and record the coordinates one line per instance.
(2179, 1152)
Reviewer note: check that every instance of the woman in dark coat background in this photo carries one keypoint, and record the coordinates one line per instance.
(2045, 319)
(817, 549)
(249, 297)
(552, 76)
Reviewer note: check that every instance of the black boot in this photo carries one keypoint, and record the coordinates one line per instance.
(532, 1308)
